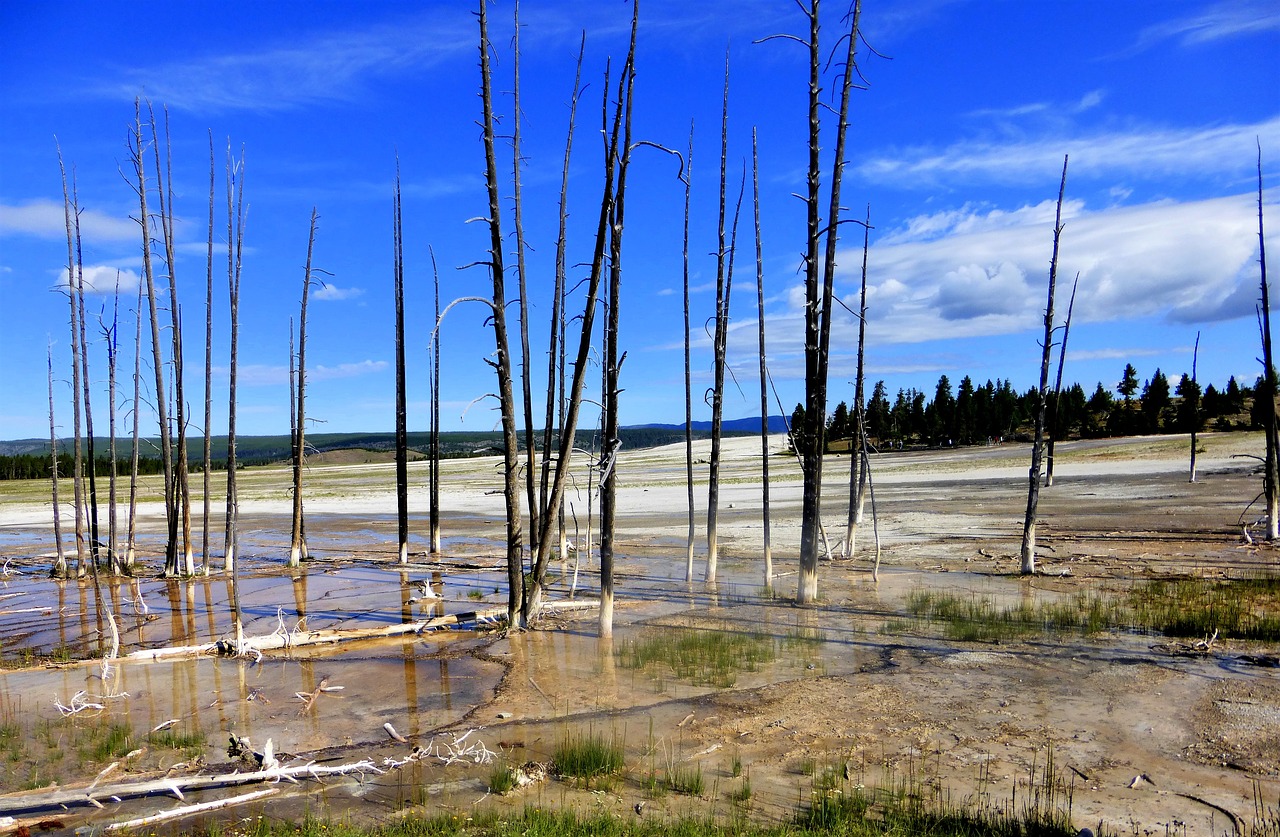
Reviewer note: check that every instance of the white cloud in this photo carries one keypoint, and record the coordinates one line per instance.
(262, 374)
(332, 293)
(1217, 22)
(1150, 154)
(103, 279)
(982, 273)
(46, 219)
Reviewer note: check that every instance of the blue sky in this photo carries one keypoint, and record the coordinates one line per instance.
(956, 145)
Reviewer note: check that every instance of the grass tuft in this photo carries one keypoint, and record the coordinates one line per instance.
(588, 757)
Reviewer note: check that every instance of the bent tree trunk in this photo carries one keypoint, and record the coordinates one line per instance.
(1037, 445)
(1271, 480)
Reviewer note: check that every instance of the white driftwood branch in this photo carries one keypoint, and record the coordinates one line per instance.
(187, 810)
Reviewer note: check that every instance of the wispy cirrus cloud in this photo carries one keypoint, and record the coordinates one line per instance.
(261, 374)
(314, 68)
(1218, 21)
(1208, 151)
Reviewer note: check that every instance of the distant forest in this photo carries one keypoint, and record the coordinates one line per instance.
(994, 411)
(29, 459)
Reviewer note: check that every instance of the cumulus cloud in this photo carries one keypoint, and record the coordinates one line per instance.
(46, 219)
(103, 279)
(333, 293)
(981, 272)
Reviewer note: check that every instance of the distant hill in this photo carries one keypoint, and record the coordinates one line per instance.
(252, 450)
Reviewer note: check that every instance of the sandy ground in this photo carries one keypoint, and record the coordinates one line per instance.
(1148, 740)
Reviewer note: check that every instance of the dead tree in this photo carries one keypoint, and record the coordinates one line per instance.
(1271, 479)
(615, 157)
(764, 390)
(137, 157)
(612, 360)
(434, 458)
(688, 380)
(182, 486)
(60, 561)
(719, 345)
(517, 197)
(556, 350)
(95, 541)
(109, 334)
(402, 420)
(1195, 410)
(1037, 444)
(502, 362)
(298, 545)
(858, 461)
(131, 544)
(1057, 388)
(235, 242)
(70, 211)
(819, 294)
(208, 369)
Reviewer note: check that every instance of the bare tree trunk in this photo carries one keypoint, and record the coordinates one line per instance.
(1271, 481)
(182, 487)
(556, 351)
(95, 540)
(297, 547)
(71, 212)
(612, 361)
(718, 347)
(60, 562)
(235, 241)
(131, 545)
(818, 300)
(688, 380)
(161, 402)
(1195, 415)
(502, 365)
(764, 389)
(109, 335)
(857, 445)
(208, 371)
(434, 458)
(402, 427)
(569, 425)
(1037, 444)
(530, 472)
(1057, 388)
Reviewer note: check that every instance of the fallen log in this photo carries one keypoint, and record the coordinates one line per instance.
(174, 785)
(187, 810)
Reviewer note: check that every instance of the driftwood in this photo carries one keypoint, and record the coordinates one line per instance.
(187, 810)
(175, 785)
(295, 638)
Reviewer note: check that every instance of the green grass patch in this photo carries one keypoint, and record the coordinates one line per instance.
(1247, 608)
(588, 758)
(112, 741)
(701, 657)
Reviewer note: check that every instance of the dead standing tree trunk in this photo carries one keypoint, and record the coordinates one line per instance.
(1037, 444)
(818, 297)
(612, 361)
(764, 390)
(858, 462)
(235, 241)
(1271, 479)
(1057, 388)
(77, 473)
(182, 487)
(137, 152)
(1195, 411)
(298, 545)
(719, 341)
(556, 350)
(60, 561)
(502, 362)
(131, 546)
(208, 371)
(402, 417)
(688, 379)
(434, 473)
(95, 540)
(568, 431)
